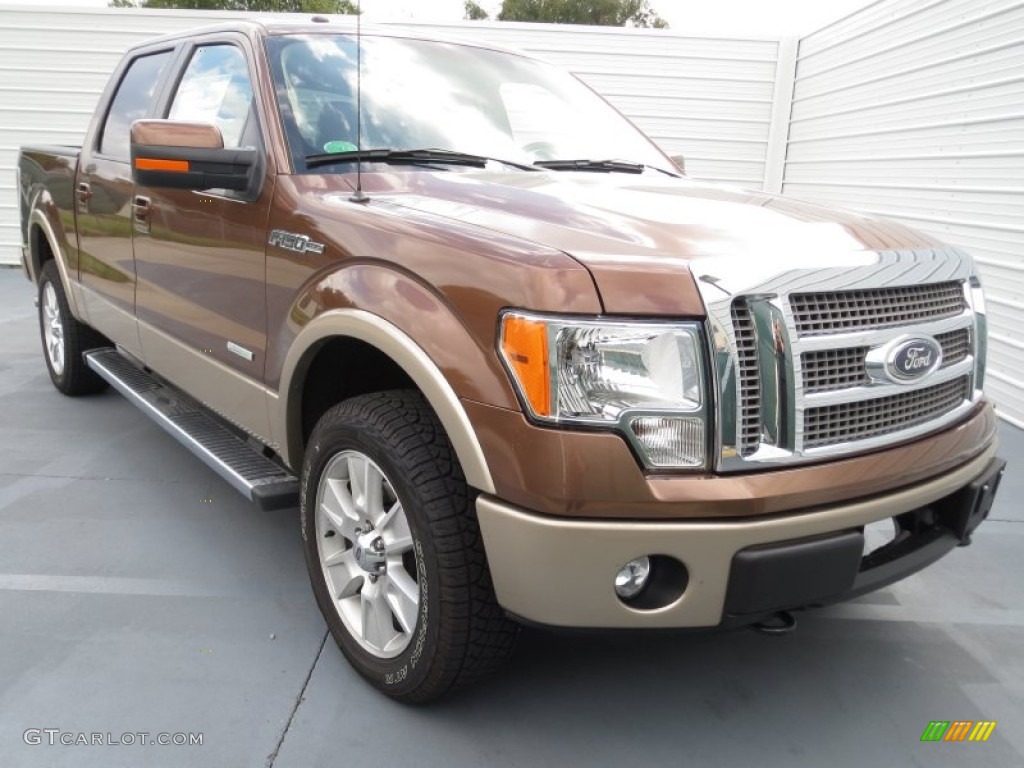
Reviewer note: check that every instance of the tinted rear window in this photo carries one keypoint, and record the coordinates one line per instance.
(131, 102)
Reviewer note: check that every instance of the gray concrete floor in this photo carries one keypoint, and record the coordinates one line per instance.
(138, 592)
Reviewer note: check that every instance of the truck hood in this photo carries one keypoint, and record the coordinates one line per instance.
(638, 234)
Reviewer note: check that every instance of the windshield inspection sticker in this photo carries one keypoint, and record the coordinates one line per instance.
(339, 146)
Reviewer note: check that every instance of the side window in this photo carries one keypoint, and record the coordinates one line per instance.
(131, 102)
(216, 89)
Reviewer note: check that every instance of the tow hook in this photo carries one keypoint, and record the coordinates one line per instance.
(780, 623)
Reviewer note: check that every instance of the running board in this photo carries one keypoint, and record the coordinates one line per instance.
(248, 471)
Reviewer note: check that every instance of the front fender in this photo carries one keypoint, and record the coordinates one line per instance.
(416, 329)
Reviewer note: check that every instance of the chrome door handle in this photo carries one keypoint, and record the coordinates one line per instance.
(142, 209)
(83, 193)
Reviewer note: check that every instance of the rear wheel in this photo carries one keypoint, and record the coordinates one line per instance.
(65, 339)
(394, 552)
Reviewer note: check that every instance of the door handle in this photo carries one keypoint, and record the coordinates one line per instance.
(142, 210)
(83, 193)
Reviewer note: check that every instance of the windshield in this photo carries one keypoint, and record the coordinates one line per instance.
(419, 94)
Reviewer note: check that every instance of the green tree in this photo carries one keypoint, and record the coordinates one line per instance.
(612, 13)
(474, 12)
(256, 6)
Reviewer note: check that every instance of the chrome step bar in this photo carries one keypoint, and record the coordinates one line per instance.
(245, 469)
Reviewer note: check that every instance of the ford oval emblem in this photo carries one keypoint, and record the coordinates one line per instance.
(913, 359)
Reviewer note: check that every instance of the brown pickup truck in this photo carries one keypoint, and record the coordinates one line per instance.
(511, 364)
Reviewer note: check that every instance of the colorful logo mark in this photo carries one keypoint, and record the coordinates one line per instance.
(958, 730)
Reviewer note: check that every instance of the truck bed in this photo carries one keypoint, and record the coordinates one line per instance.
(46, 169)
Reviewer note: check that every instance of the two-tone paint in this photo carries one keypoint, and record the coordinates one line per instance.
(199, 289)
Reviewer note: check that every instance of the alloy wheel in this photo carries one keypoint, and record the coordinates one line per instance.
(366, 553)
(53, 329)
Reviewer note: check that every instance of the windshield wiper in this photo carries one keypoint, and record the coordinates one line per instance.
(409, 157)
(605, 166)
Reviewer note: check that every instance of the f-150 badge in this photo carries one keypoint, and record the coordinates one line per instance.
(292, 242)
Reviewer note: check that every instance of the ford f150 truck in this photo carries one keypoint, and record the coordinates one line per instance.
(511, 364)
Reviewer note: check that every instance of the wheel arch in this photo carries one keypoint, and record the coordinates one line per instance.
(40, 250)
(45, 245)
(286, 407)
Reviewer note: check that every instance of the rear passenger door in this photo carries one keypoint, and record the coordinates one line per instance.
(103, 192)
(200, 256)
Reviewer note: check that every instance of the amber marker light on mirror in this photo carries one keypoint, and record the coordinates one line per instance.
(524, 345)
(153, 164)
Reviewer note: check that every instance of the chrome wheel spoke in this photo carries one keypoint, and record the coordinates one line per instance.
(396, 534)
(349, 586)
(341, 558)
(367, 487)
(378, 630)
(403, 596)
(385, 521)
(336, 505)
(399, 544)
(346, 576)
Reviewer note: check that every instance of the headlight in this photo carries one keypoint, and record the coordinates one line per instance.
(643, 378)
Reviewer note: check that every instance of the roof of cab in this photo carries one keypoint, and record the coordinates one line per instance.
(271, 26)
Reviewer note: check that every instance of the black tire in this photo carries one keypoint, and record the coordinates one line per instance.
(74, 377)
(461, 633)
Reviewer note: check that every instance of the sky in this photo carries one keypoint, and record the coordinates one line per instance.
(764, 18)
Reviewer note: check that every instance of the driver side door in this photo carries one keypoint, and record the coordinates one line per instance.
(200, 255)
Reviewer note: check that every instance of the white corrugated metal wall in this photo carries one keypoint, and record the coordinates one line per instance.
(710, 99)
(914, 109)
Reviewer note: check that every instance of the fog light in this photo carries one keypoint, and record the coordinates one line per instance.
(631, 580)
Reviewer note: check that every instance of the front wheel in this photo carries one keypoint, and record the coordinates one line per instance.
(394, 551)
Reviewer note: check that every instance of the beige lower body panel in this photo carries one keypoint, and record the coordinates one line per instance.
(234, 396)
(115, 323)
(561, 572)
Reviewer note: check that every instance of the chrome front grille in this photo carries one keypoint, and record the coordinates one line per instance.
(831, 369)
(848, 422)
(825, 313)
(956, 346)
(805, 347)
(748, 428)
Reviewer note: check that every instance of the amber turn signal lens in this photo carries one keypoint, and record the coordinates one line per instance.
(153, 164)
(524, 344)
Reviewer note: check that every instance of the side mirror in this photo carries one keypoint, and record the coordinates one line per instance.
(679, 161)
(168, 153)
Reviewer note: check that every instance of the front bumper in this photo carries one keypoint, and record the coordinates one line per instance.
(560, 572)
